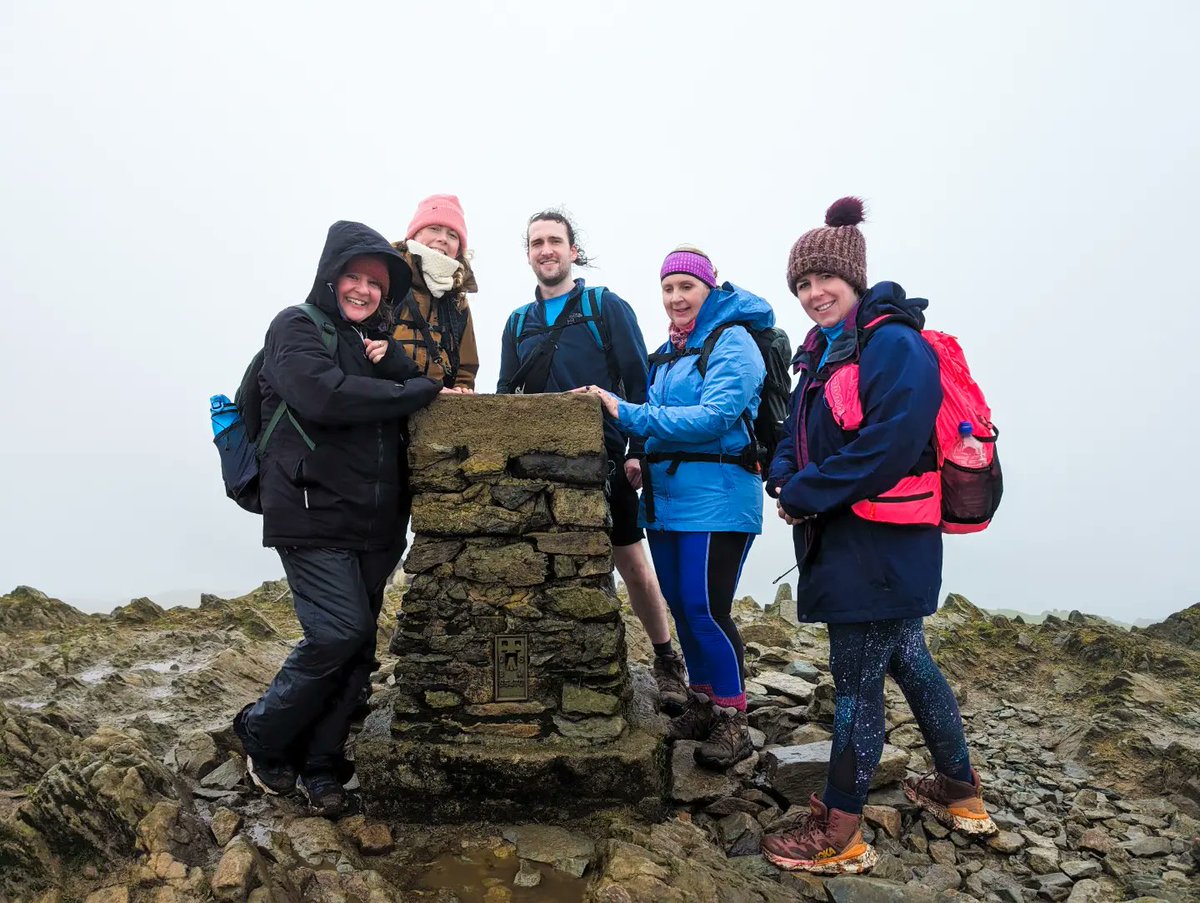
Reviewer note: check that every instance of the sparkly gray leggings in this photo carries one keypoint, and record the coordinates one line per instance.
(859, 657)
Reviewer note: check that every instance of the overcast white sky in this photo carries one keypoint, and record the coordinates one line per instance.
(167, 174)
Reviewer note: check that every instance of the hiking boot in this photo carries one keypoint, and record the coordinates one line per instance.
(695, 723)
(671, 677)
(272, 776)
(326, 797)
(827, 842)
(956, 804)
(728, 742)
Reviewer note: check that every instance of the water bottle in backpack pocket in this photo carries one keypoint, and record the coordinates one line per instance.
(239, 457)
(971, 480)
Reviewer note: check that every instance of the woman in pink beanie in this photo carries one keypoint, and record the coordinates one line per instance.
(433, 322)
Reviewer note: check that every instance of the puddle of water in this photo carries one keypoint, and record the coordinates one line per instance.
(471, 875)
(96, 674)
(34, 704)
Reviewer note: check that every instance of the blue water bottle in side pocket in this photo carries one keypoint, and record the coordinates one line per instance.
(239, 457)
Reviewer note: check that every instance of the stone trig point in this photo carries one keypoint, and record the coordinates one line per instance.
(511, 689)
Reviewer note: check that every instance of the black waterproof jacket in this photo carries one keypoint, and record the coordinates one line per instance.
(345, 492)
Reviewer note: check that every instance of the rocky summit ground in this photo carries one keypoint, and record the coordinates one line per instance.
(120, 781)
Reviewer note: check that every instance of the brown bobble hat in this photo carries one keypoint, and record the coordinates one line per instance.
(838, 248)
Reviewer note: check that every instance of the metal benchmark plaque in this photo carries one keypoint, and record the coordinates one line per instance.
(512, 667)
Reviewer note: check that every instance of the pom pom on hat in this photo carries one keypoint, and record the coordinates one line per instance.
(838, 247)
(846, 211)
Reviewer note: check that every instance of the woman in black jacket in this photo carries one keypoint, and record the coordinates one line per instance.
(332, 495)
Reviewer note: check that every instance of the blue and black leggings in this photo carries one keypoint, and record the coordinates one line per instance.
(859, 657)
(698, 574)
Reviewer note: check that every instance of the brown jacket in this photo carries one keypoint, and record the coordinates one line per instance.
(450, 326)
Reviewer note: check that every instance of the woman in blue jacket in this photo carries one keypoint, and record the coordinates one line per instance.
(857, 447)
(702, 499)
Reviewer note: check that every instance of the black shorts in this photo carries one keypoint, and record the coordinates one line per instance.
(623, 502)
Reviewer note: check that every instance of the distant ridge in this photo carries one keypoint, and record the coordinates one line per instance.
(1063, 614)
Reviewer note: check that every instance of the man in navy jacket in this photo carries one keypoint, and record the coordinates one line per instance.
(563, 341)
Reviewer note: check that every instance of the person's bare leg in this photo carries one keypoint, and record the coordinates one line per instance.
(645, 598)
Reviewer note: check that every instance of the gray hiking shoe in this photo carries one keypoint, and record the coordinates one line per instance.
(696, 721)
(671, 677)
(728, 742)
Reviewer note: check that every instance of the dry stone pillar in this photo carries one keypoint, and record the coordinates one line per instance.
(511, 689)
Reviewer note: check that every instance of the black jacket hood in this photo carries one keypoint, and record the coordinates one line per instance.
(344, 241)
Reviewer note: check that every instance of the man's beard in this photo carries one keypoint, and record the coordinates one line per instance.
(560, 274)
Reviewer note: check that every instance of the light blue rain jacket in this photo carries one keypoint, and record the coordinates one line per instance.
(684, 412)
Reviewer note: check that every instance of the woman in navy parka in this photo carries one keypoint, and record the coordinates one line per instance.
(702, 498)
(869, 553)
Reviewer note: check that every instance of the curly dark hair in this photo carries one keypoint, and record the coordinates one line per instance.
(559, 215)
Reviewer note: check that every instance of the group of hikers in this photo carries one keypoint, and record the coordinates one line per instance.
(393, 329)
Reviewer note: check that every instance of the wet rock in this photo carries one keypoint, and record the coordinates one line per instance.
(1054, 886)
(515, 564)
(91, 804)
(592, 729)
(226, 776)
(30, 744)
(235, 872)
(741, 834)
(372, 838)
(803, 670)
(567, 851)
(579, 508)
(527, 876)
(138, 611)
(1006, 842)
(1043, 860)
(1097, 841)
(796, 772)
(885, 818)
(858, 889)
(225, 824)
(428, 552)
(315, 841)
(111, 894)
(195, 755)
(1147, 846)
(690, 783)
(587, 470)
(793, 687)
(1081, 868)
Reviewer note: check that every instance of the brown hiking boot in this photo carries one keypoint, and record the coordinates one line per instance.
(671, 677)
(696, 722)
(827, 842)
(956, 804)
(729, 741)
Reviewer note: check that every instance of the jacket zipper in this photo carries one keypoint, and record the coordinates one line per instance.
(891, 499)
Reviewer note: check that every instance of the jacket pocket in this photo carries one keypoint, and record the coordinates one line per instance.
(914, 500)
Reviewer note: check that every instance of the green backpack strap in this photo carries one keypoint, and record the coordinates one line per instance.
(329, 339)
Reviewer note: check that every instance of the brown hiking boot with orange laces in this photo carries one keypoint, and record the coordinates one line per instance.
(956, 804)
(827, 842)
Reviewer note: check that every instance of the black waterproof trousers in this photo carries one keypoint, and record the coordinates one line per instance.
(304, 717)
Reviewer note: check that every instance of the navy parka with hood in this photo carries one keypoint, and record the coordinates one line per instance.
(853, 570)
(579, 361)
(345, 493)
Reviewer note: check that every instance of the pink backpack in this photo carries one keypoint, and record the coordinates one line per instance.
(962, 495)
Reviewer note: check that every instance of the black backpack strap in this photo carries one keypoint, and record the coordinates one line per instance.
(534, 372)
(432, 348)
(329, 339)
